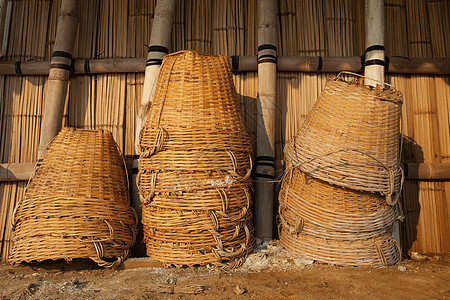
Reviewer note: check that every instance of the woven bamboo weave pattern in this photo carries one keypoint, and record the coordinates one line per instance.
(320, 206)
(76, 205)
(194, 107)
(378, 252)
(351, 138)
(195, 165)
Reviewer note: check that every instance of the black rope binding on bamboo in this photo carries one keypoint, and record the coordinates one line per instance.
(235, 64)
(264, 161)
(320, 63)
(17, 68)
(267, 58)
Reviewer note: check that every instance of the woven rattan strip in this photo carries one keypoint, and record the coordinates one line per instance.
(319, 208)
(195, 166)
(378, 252)
(351, 138)
(76, 205)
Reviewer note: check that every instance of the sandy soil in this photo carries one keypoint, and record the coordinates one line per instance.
(266, 275)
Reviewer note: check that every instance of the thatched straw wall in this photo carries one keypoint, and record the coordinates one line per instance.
(120, 29)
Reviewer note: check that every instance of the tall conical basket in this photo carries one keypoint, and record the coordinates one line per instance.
(351, 138)
(76, 205)
(195, 165)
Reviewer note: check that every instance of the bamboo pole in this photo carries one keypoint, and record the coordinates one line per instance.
(59, 72)
(159, 44)
(374, 54)
(16, 171)
(374, 57)
(307, 64)
(265, 131)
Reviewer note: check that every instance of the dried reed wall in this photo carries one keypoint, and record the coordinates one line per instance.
(119, 29)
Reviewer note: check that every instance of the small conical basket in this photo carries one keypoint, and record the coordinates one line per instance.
(76, 205)
(351, 138)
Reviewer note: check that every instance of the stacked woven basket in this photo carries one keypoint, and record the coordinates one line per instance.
(338, 197)
(76, 205)
(195, 165)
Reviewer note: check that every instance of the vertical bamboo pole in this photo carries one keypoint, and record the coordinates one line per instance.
(58, 77)
(265, 132)
(159, 43)
(374, 54)
(374, 57)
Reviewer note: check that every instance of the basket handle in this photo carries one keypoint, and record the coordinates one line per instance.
(365, 77)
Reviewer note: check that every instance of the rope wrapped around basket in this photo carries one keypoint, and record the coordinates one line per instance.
(76, 205)
(195, 166)
(351, 138)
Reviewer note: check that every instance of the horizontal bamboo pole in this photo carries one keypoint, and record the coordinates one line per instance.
(413, 171)
(397, 65)
(58, 78)
(16, 171)
(427, 171)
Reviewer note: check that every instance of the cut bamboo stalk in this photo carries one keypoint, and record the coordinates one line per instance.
(374, 54)
(59, 72)
(159, 44)
(265, 131)
(309, 64)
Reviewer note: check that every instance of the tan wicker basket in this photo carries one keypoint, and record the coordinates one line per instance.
(318, 208)
(195, 165)
(378, 252)
(351, 138)
(76, 205)
(184, 237)
(194, 107)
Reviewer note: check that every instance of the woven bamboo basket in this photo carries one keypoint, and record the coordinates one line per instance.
(378, 252)
(318, 208)
(194, 107)
(191, 183)
(184, 237)
(351, 138)
(205, 199)
(76, 205)
(195, 166)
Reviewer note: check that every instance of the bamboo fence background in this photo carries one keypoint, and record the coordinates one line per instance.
(118, 29)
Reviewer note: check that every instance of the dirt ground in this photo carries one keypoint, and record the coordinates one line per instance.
(267, 274)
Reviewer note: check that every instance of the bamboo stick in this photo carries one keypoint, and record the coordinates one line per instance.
(16, 171)
(265, 131)
(310, 64)
(159, 43)
(59, 74)
(374, 54)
